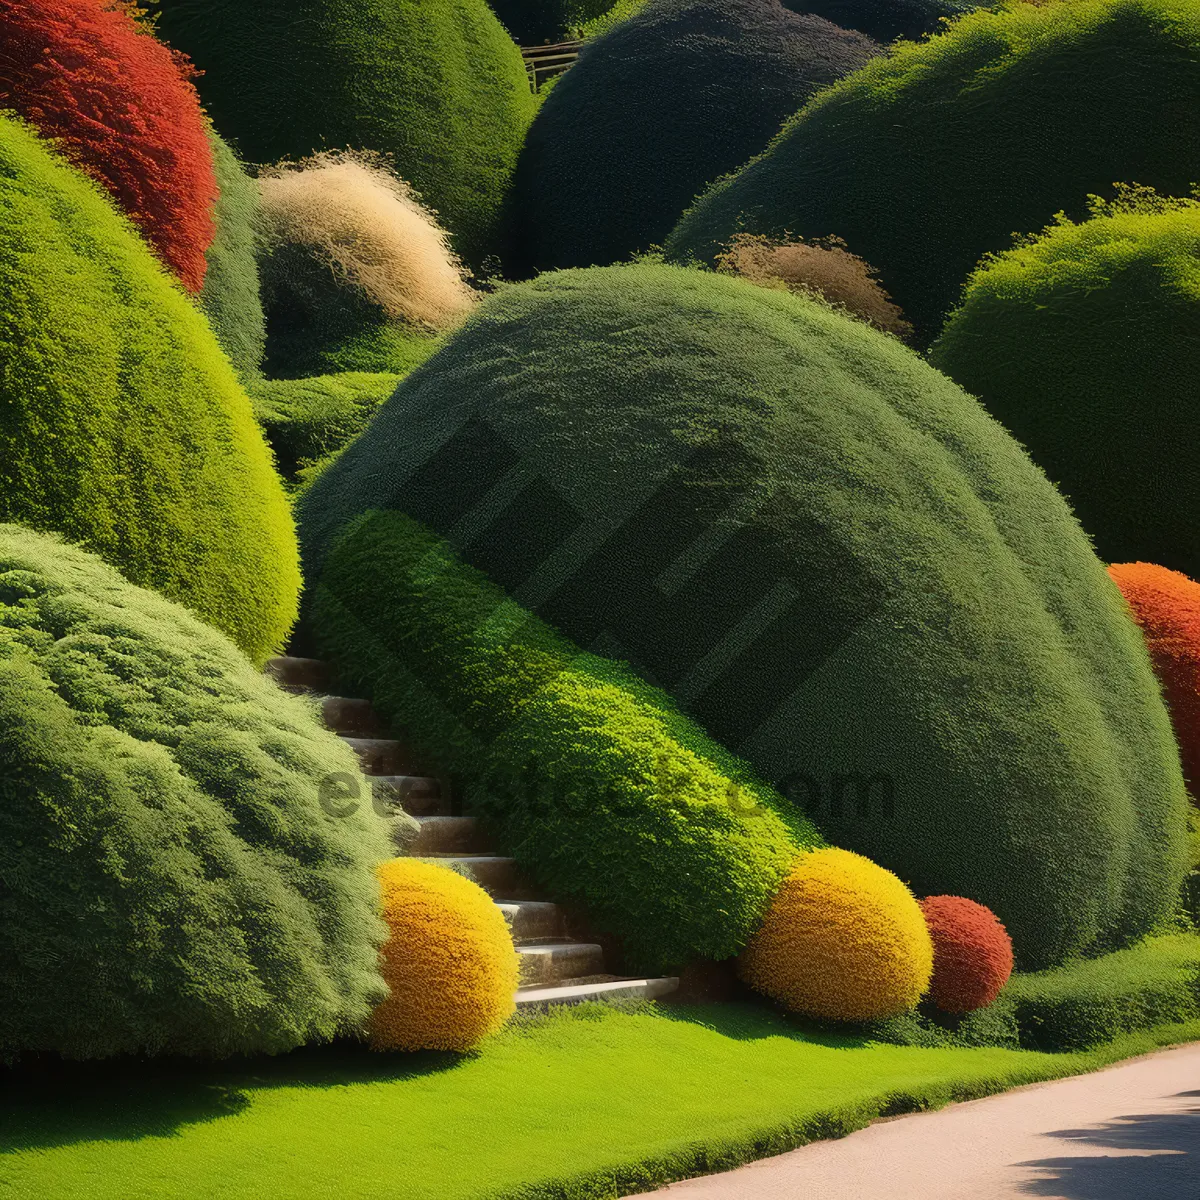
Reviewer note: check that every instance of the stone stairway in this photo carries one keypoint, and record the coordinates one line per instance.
(555, 968)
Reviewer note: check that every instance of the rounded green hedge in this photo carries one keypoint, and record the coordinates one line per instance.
(122, 425)
(436, 84)
(934, 155)
(170, 881)
(671, 99)
(1085, 343)
(535, 22)
(231, 297)
(886, 20)
(306, 420)
(830, 555)
(607, 796)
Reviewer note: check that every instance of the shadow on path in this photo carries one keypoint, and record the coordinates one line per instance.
(1156, 1156)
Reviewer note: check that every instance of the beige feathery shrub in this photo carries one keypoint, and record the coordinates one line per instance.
(370, 229)
(825, 267)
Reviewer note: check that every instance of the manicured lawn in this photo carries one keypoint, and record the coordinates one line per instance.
(587, 1103)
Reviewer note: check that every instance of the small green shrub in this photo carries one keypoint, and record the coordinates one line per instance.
(169, 879)
(534, 22)
(1085, 343)
(605, 794)
(122, 425)
(231, 297)
(438, 85)
(933, 155)
(307, 420)
(671, 99)
(831, 556)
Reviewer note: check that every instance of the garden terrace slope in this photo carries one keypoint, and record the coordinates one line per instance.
(827, 553)
(934, 155)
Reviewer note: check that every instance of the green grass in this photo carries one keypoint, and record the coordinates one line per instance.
(590, 1102)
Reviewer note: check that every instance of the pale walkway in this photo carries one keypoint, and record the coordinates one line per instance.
(1131, 1132)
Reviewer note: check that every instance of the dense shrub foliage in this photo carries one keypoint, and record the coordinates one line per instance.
(449, 961)
(169, 881)
(231, 298)
(844, 940)
(436, 84)
(606, 796)
(972, 953)
(121, 107)
(534, 22)
(932, 156)
(837, 563)
(1085, 343)
(353, 261)
(122, 425)
(826, 269)
(667, 102)
(1166, 605)
(306, 420)
(886, 20)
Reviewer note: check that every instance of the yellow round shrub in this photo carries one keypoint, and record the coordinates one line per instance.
(449, 961)
(843, 940)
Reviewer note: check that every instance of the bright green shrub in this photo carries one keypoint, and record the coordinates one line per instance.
(436, 84)
(535, 22)
(169, 879)
(932, 156)
(307, 419)
(1083, 1004)
(1085, 343)
(231, 298)
(670, 100)
(831, 556)
(122, 425)
(606, 796)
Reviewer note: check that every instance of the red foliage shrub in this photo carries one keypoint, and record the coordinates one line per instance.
(1166, 604)
(121, 106)
(972, 953)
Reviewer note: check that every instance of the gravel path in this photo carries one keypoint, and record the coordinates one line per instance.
(1131, 1132)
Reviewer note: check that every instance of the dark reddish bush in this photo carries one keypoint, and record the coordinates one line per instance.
(972, 953)
(1166, 605)
(121, 106)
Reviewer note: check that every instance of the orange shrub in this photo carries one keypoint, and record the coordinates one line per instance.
(972, 953)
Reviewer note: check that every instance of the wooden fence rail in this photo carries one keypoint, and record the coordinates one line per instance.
(544, 62)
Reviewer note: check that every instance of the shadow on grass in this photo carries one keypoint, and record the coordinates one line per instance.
(48, 1102)
(754, 1020)
(1157, 1155)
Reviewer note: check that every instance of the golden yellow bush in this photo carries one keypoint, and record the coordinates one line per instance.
(843, 940)
(368, 227)
(449, 961)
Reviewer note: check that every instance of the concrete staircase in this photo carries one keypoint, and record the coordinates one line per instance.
(555, 968)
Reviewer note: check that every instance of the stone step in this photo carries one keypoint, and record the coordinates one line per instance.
(534, 920)
(300, 674)
(343, 714)
(617, 989)
(447, 835)
(418, 795)
(498, 876)
(555, 962)
(383, 756)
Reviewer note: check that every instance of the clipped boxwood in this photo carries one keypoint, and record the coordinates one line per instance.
(169, 879)
(436, 84)
(122, 425)
(831, 556)
(306, 420)
(933, 155)
(1085, 343)
(231, 299)
(604, 793)
(671, 99)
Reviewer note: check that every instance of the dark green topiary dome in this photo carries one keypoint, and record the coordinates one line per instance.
(436, 84)
(828, 553)
(1086, 344)
(122, 425)
(935, 154)
(652, 112)
(169, 879)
